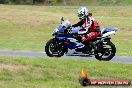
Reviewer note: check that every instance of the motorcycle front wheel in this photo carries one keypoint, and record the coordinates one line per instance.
(54, 48)
(106, 52)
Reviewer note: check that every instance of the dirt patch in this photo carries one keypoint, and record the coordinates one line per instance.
(12, 67)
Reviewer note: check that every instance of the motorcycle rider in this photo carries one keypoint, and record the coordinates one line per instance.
(90, 25)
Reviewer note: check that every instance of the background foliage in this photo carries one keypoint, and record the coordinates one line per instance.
(70, 2)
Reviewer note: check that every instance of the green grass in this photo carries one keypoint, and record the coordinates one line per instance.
(25, 72)
(28, 28)
(99, 2)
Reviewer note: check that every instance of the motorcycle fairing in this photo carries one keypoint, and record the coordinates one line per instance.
(108, 31)
(70, 42)
(105, 30)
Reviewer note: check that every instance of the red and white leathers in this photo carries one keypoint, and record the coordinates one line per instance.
(91, 26)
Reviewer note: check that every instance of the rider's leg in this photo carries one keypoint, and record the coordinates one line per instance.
(90, 36)
(87, 41)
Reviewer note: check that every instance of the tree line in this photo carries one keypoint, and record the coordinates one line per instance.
(31, 1)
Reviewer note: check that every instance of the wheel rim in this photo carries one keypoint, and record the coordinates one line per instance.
(105, 52)
(55, 48)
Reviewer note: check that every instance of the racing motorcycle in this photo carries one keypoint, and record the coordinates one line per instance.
(67, 40)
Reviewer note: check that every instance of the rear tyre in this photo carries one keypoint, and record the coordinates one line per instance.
(54, 48)
(106, 52)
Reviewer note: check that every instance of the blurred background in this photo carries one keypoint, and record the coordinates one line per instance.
(70, 2)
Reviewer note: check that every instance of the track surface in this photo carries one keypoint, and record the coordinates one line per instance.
(121, 59)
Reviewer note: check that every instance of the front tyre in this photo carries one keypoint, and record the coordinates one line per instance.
(106, 51)
(54, 48)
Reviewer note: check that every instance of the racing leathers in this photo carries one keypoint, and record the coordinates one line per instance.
(92, 29)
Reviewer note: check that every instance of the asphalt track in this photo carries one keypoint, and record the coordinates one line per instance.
(119, 59)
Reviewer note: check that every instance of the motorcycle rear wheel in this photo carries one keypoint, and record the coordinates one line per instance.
(108, 53)
(54, 48)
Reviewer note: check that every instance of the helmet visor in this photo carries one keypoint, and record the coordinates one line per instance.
(80, 15)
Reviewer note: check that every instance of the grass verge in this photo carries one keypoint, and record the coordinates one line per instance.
(27, 72)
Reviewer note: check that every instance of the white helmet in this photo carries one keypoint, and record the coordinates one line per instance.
(82, 12)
